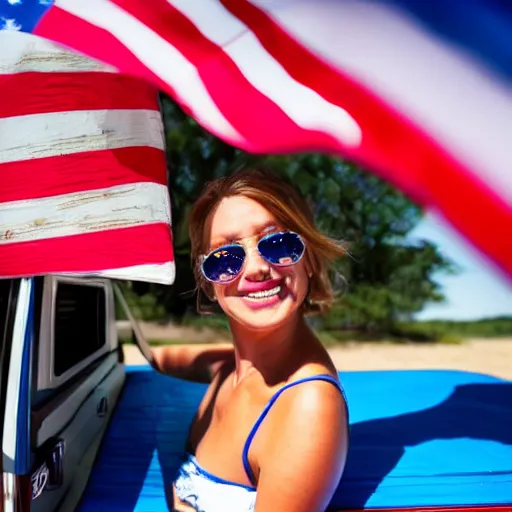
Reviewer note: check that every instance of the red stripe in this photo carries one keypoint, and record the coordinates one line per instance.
(79, 172)
(63, 92)
(91, 252)
(392, 144)
(385, 132)
(271, 129)
(64, 28)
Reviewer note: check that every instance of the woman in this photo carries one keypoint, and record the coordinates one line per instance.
(271, 433)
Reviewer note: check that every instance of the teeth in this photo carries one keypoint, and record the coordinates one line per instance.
(264, 294)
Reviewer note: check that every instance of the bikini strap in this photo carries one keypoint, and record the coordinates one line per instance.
(263, 414)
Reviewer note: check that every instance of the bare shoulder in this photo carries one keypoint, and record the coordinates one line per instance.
(305, 448)
(312, 402)
(313, 393)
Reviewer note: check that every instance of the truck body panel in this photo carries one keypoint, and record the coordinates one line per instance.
(418, 439)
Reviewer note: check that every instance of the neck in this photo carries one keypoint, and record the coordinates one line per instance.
(270, 353)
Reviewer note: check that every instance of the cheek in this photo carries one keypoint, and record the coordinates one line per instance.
(218, 291)
(298, 280)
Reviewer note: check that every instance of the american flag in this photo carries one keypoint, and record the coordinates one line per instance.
(417, 91)
(83, 178)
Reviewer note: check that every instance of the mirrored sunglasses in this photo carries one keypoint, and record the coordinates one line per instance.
(225, 263)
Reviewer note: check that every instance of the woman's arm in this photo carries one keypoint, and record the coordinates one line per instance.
(303, 461)
(197, 362)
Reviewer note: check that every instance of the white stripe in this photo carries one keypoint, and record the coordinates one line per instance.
(212, 19)
(84, 212)
(21, 53)
(460, 104)
(158, 56)
(64, 133)
(302, 104)
(163, 273)
(14, 375)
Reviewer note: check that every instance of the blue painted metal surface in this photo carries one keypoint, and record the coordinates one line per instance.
(418, 438)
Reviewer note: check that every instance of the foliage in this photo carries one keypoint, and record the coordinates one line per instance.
(486, 328)
(388, 280)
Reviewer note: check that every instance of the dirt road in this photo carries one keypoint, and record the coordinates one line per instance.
(490, 356)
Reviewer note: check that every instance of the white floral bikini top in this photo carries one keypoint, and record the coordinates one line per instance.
(208, 493)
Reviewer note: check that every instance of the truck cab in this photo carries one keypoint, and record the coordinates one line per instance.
(61, 378)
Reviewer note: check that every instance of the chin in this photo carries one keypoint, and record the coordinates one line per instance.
(263, 318)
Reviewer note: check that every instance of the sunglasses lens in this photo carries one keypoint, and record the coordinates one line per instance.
(224, 264)
(282, 248)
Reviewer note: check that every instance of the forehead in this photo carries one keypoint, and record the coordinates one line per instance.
(239, 217)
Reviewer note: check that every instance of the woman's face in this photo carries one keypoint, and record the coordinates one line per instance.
(243, 220)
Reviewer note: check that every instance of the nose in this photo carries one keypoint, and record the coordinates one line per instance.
(256, 267)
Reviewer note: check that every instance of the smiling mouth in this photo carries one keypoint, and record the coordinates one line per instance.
(264, 294)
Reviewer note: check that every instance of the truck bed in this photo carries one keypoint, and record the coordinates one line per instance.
(418, 438)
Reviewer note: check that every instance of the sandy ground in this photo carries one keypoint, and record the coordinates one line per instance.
(489, 356)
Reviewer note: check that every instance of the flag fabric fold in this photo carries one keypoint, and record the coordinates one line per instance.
(83, 179)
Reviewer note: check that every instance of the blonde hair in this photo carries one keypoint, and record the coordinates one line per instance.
(288, 207)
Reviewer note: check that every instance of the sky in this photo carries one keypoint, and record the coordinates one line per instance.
(479, 290)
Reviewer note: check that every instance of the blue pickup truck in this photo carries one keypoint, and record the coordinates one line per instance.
(81, 431)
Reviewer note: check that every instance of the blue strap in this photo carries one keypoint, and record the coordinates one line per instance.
(261, 417)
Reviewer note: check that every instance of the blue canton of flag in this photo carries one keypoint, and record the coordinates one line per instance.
(22, 14)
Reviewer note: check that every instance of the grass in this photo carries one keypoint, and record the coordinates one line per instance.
(439, 331)
(160, 342)
(328, 339)
(153, 343)
(215, 322)
(443, 330)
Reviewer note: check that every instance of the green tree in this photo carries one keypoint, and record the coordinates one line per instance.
(387, 279)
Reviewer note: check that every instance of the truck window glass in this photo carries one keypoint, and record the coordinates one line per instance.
(5, 289)
(8, 297)
(79, 324)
